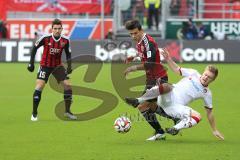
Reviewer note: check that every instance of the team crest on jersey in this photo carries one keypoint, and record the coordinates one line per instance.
(62, 44)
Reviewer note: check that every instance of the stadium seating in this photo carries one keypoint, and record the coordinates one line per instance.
(218, 7)
(184, 8)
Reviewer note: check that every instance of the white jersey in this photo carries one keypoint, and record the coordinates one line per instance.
(186, 90)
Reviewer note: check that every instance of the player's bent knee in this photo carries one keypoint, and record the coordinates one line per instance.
(152, 107)
(40, 84)
(143, 107)
(67, 85)
(196, 116)
(165, 88)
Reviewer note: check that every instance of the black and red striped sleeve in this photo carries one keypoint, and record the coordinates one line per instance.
(151, 55)
(67, 50)
(38, 43)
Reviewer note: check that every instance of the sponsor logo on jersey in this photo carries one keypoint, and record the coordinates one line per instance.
(54, 51)
(197, 86)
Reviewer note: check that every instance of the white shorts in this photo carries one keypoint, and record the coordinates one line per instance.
(173, 109)
(178, 111)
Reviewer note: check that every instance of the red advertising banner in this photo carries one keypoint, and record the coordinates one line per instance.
(59, 6)
(3, 10)
(75, 29)
(25, 29)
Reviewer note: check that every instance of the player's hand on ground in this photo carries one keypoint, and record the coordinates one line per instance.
(69, 70)
(217, 134)
(30, 67)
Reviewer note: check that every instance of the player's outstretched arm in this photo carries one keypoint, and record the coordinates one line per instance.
(211, 120)
(174, 67)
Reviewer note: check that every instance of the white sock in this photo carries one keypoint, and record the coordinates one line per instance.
(150, 94)
(185, 123)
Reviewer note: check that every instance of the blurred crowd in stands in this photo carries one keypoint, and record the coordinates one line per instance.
(148, 11)
(192, 31)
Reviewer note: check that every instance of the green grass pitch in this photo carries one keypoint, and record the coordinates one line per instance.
(53, 139)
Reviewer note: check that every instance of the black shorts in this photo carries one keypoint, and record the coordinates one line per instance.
(152, 83)
(59, 73)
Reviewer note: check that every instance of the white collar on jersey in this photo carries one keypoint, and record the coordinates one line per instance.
(55, 39)
(142, 38)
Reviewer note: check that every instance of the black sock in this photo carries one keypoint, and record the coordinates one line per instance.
(152, 120)
(36, 100)
(68, 100)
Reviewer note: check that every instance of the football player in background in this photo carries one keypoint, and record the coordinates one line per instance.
(51, 63)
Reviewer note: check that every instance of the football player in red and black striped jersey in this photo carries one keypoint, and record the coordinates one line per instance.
(51, 63)
(149, 54)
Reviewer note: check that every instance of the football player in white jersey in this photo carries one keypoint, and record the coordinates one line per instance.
(191, 87)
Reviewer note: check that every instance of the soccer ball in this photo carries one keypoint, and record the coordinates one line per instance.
(122, 124)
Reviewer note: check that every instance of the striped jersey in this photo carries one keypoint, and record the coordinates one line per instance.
(190, 88)
(52, 49)
(148, 52)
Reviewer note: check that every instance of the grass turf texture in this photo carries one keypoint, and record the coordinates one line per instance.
(53, 139)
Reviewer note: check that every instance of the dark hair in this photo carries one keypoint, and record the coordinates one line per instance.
(132, 24)
(56, 22)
